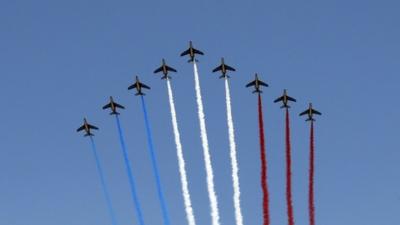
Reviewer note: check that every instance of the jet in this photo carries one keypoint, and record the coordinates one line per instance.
(113, 105)
(310, 112)
(285, 99)
(164, 68)
(257, 83)
(224, 69)
(87, 127)
(192, 52)
(138, 87)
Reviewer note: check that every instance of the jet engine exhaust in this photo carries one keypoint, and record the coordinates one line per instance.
(234, 163)
(264, 181)
(288, 173)
(129, 173)
(311, 206)
(103, 183)
(154, 163)
(207, 158)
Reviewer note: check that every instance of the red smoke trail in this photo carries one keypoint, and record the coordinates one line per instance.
(264, 185)
(288, 173)
(311, 206)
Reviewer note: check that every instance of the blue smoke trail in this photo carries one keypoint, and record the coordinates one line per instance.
(154, 164)
(129, 172)
(103, 183)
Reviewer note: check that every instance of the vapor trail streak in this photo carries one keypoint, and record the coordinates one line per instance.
(207, 158)
(181, 160)
(154, 163)
(103, 183)
(264, 181)
(311, 206)
(232, 146)
(288, 173)
(129, 173)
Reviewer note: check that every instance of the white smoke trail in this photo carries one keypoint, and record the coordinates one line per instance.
(232, 146)
(181, 161)
(207, 158)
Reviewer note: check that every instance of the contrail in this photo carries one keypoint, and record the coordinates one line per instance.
(181, 160)
(264, 184)
(232, 146)
(288, 173)
(154, 163)
(311, 206)
(103, 183)
(129, 172)
(207, 158)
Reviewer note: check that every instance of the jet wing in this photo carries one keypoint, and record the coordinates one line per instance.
(144, 86)
(80, 128)
(262, 83)
(107, 106)
(171, 69)
(185, 52)
(316, 112)
(118, 106)
(279, 99)
(158, 70)
(132, 86)
(251, 84)
(198, 52)
(290, 98)
(304, 113)
(217, 69)
(229, 68)
(92, 127)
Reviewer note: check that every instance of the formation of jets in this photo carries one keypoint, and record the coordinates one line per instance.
(224, 68)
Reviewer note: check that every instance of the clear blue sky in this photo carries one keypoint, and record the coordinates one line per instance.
(60, 60)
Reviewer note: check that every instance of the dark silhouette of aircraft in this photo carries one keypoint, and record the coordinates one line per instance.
(138, 87)
(257, 83)
(164, 68)
(224, 69)
(87, 127)
(113, 106)
(285, 99)
(310, 112)
(192, 52)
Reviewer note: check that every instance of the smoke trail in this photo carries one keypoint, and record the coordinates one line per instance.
(181, 160)
(232, 145)
(207, 158)
(311, 206)
(154, 163)
(129, 172)
(103, 183)
(288, 173)
(264, 184)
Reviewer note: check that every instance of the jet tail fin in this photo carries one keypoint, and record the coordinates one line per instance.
(114, 113)
(166, 77)
(310, 119)
(191, 60)
(285, 106)
(140, 93)
(257, 91)
(223, 76)
(89, 134)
